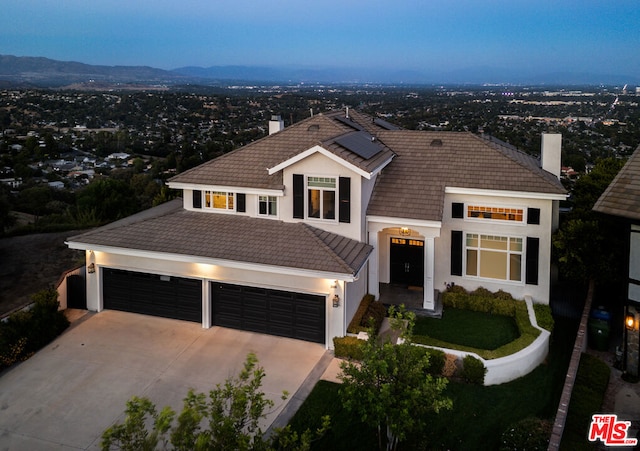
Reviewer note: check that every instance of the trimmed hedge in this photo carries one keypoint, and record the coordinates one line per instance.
(367, 310)
(528, 434)
(483, 300)
(348, 347)
(473, 370)
(544, 317)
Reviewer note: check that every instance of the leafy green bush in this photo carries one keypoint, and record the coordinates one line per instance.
(480, 300)
(544, 317)
(473, 370)
(348, 347)
(437, 359)
(25, 332)
(531, 434)
(369, 313)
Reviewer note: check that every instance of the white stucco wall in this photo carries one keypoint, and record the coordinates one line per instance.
(539, 292)
(319, 165)
(335, 317)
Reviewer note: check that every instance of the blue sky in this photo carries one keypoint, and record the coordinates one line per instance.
(557, 35)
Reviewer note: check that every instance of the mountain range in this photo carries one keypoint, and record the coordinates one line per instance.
(45, 72)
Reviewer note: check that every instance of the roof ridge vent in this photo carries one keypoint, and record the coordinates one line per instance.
(436, 142)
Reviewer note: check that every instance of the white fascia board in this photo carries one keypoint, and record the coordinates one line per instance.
(228, 189)
(500, 193)
(319, 149)
(404, 222)
(212, 261)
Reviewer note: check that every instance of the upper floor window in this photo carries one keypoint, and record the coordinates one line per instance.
(219, 200)
(321, 197)
(268, 205)
(495, 213)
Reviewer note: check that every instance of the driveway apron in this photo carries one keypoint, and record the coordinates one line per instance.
(68, 393)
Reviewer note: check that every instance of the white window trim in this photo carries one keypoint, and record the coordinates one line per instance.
(495, 221)
(478, 277)
(219, 210)
(336, 198)
(267, 215)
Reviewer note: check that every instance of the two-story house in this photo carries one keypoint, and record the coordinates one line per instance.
(285, 235)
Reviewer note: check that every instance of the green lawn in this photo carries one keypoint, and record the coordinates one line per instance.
(479, 415)
(467, 328)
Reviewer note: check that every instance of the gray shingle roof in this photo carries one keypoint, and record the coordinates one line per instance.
(622, 196)
(413, 185)
(248, 166)
(232, 237)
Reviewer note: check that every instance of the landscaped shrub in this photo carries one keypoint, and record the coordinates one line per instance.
(529, 434)
(25, 332)
(368, 311)
(436, 360)
(348, 347)
(480, 300)
(544, 317)
(473, 370)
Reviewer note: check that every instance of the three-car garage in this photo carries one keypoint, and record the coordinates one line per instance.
(274, 312)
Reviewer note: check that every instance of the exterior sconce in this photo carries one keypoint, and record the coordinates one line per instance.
(404, 231)
(630, 321)
(91, 268)
(336, 301)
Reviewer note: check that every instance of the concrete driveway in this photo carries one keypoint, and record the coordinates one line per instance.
(67, 394)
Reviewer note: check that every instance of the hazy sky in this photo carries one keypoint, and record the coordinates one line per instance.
(554, 35)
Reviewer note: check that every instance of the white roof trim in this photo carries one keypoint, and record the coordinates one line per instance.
(230, 189)
(401, 222)
(213, 261)
(500, 193)
(319, 149)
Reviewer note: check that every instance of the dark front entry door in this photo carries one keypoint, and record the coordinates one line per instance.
(407, 261)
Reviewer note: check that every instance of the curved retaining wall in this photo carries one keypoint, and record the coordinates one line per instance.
(511, 367)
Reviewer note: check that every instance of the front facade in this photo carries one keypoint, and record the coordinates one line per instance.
(285, 235)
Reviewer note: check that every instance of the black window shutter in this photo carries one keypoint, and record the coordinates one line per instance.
(298, 196)
(533, 216)
(344, 211)
(533, 250)
(197, 199)
(456, 253)
(457, 210)
(241, 202)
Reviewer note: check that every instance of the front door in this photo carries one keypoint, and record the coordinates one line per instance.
(407, 261)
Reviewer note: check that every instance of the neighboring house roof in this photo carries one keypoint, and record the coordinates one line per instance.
(622, 196)
(247, 166)
(170, 229)
(413, 185)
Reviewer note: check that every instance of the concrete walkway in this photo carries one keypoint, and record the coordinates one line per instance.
(68, 393)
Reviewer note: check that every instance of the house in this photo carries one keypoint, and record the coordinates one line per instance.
(622, 199)
(285, 235)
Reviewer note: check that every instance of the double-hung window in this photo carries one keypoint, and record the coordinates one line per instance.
(321, 197)
(494, 257)
(267, 205)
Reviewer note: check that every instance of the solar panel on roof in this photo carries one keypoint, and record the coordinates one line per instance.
(361, 143)
(384, 124)
(349, 122)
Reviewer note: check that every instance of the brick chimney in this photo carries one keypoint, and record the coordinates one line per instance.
(551, 153)
(276, 124)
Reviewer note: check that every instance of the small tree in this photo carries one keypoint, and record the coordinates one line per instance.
(390, 388)
(228, 419)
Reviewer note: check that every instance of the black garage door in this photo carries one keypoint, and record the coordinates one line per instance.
(152, 294)
(274, 312)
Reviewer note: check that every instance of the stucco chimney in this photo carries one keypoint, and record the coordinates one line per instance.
(551, 153)
(276, 124)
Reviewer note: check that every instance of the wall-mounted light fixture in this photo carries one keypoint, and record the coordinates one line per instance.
(630, 321)
(404, 231)
(91, 268)
(336, 301)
